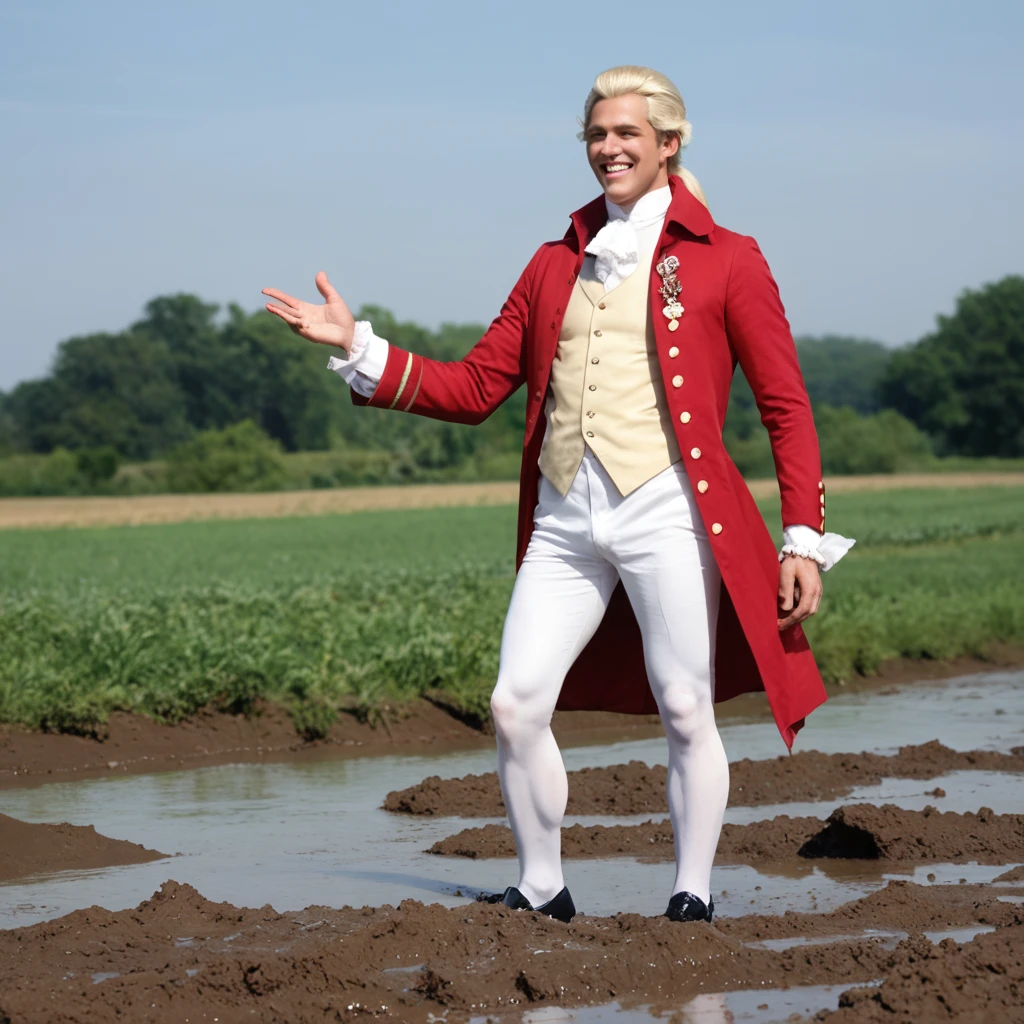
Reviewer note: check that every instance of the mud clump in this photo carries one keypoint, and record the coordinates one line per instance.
(853, 832)
(637, 788)
(1013, 875)
(979, 981)
(179, 956)
(30, 849)
(865, 832)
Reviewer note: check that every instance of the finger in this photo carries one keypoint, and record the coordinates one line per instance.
(325, 287)
(288, 300)
(286, 315)
(803, 609)
(816, 602)
(786, 575)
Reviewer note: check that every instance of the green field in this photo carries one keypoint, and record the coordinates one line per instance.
(362, 611)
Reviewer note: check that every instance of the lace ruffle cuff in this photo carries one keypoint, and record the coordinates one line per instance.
(830, 548)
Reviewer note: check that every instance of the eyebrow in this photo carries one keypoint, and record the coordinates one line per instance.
(618, 127)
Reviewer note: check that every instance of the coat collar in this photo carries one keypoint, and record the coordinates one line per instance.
(685, 212)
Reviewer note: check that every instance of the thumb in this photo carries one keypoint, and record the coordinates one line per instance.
(325, 287)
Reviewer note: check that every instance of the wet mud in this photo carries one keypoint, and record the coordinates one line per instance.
(979, 981)
(860, 832)
(637, 788)
(32, 849)
(179, 956)
(1013, 875)
(130, 744)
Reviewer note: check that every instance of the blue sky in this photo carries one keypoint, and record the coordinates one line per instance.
(419, 153)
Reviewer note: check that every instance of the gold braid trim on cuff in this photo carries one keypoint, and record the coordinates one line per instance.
(405, 380)
(416, 391)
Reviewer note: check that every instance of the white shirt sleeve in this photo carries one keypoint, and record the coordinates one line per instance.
(364, 367)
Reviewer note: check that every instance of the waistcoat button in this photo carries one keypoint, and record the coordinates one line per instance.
(593, 387)
(600, 305)
(590, 433)
(595, 360)
(597, 334)
(673, 352)
(677, 381)
(695, 453)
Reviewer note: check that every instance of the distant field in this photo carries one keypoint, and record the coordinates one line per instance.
(370, 608)
(33, 513)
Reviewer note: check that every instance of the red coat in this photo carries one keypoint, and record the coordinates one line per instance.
(732, 314)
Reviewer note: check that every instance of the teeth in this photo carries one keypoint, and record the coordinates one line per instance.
(612, 168)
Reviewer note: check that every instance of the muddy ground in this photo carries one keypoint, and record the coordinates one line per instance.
(856, 832)
(133, 744)
(637, 788)
(179, 957)
(30, 849)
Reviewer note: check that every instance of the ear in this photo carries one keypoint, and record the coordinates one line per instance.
(669, 145)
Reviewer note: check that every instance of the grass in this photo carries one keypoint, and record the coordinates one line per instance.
(366, 610)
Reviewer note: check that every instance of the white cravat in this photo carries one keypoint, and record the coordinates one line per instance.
(628, 235)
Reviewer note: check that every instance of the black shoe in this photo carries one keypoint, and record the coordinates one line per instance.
(560, 906)
(684, 906)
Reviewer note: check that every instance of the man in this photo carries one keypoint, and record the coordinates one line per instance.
(646, 577)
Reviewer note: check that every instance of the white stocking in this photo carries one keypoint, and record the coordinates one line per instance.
(556, 606)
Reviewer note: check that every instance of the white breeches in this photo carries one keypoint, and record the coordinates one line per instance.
(654, 541)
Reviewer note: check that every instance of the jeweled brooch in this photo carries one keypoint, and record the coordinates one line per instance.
(669, 291)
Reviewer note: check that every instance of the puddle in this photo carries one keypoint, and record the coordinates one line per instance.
(758, 1006)
(295, 835)
(886, 939)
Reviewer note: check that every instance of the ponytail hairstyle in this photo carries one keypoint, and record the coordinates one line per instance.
(665, 110)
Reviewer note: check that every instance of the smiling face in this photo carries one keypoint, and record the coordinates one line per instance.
(626, 154)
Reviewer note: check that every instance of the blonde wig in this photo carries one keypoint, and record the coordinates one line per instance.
(665, 110)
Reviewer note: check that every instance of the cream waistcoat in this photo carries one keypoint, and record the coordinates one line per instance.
(606, 389)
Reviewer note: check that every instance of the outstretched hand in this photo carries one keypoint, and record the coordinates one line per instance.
(327, 324)
(799, 590)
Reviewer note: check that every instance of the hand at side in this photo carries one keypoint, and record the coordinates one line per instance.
(799, 590)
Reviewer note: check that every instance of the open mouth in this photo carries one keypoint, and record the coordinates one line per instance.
(616, 170)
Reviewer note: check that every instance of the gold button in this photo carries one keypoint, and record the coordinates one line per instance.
(673, 352)
(716, 527)
(684, 417)
(597, 334)
(821, 485)
(600, 305)
(822, 524)
(677, 381)
(595, 360)
(590, 433)
(702, 486)
(593, 387)
(695, 453)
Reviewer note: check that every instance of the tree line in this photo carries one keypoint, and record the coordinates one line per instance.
(197, 391)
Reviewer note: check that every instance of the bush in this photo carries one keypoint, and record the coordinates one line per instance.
(238, 458)
(883, 443)
(97, 465)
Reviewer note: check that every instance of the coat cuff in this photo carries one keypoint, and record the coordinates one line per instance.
(399, 383)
